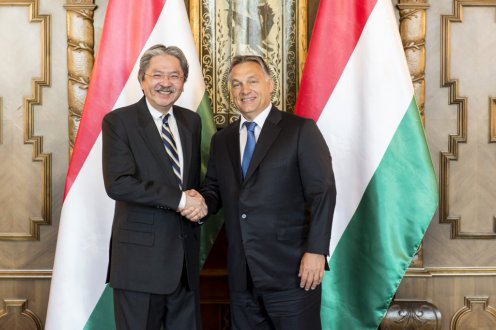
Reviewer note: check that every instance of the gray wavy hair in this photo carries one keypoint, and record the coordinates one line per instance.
(160, 49)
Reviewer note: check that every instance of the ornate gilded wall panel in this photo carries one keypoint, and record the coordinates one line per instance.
(80, 57)
(465, 297)
(272, 29)
(462, 131)
(32, 233)
(15, 314)
(465, 316)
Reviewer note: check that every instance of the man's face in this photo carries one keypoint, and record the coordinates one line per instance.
(251, 89)
(163, 82)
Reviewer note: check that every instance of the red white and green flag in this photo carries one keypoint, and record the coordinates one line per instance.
(79, 297)
(357, 87)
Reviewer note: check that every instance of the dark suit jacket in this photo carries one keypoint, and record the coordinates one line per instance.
(150, 240)
(266, 215)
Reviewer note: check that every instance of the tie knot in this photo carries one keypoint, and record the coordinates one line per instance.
(165, 120)
(250, 126)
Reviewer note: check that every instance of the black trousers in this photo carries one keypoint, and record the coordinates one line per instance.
(141, 310)
(291, 309)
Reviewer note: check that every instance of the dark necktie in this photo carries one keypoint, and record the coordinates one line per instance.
(249, 147)
(170, 146)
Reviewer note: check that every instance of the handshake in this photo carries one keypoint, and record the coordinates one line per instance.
(195, 208)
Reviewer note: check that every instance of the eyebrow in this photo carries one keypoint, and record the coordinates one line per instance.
(173, 71)
(249, 77)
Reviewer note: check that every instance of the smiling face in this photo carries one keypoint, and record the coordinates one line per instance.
(163, 82)
(251, 89)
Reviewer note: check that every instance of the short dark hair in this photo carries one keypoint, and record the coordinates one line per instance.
(160, 49)
(239, 59)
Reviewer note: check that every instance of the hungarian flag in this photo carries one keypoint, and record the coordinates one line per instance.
(79, 297)
(357, 87)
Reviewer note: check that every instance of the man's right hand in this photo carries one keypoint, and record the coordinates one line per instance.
(195, 208)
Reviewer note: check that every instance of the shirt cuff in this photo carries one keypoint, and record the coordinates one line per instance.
(182, 202)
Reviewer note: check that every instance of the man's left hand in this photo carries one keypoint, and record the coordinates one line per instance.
(311, 270)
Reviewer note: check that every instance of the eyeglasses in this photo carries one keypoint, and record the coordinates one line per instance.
(172, 77)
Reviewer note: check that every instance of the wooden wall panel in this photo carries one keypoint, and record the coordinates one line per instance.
(459, 274)
(25, 164)
(33, 154)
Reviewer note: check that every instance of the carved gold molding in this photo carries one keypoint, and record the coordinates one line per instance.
(302, 28)
(29, 137)
(25, 273)
(194, 22)
(214, 32)
(467, 309)
(22, 305)
(461, 136)
(412, 30)
(80, 58)
(451, 272)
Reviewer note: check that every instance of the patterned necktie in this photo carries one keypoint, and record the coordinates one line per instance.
(249, 147)
(170, 146)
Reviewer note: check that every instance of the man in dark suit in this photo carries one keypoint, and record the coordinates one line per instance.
(151, 158)
(271, 171)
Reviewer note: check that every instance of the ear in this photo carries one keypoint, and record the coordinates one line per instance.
(271, 85)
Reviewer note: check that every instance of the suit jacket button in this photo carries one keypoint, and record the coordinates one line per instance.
(243, 216)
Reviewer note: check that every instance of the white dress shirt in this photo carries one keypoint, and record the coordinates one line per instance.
(260, 120)
(157, 118)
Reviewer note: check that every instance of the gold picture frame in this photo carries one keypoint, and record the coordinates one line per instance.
(275, 30)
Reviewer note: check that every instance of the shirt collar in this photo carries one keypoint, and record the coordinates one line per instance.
(260, 119)
(157, 114)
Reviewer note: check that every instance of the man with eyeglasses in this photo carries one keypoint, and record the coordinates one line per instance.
(151, 163)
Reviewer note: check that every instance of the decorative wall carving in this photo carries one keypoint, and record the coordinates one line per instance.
(28, 109)
(223, 29)
(16, 315)
(461, 135)
(80, 58)
(457, 321)
(412, 30)
(412, 315)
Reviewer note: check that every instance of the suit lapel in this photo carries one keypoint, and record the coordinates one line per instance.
(151, 136)
(186, 142)
(268, 135)
(233, 149)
